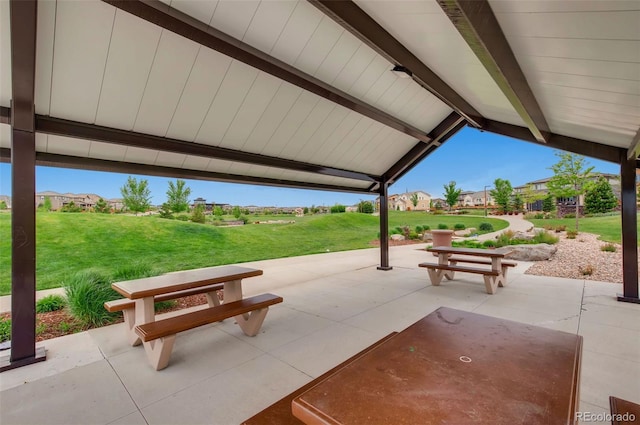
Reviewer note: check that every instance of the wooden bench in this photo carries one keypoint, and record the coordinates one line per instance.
(478, 260)
(438, 271)
(127, 306)
(158, 337)
(280, 411)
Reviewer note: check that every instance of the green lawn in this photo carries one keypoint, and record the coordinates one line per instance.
(609, 228)
(70, 242)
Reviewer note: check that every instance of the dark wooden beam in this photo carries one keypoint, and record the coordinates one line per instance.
(565, 143)
(443, 131)
(479, 27)
(83, 163)
(24, 22)
(634, 148)
(56, 126)
(629, 231)
(5, 115)
(355, 20)
(173, 20)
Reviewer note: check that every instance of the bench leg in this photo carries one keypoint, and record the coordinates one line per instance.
(449, 274)
(435, 276)
(502, 281)
(130, 324)
(250, 323)
(212, 299)
(159, 351)
(491, 284)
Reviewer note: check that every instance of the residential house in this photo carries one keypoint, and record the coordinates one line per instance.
(85, 201)
(465, 199)
(6, 199)
(404, 202)
(477, 199)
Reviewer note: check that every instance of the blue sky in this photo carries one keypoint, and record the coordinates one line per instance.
(471, 158)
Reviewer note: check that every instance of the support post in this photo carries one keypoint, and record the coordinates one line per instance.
(384, 226)
(23, 181)
(629, 231)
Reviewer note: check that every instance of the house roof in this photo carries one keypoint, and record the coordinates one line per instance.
(301, 94)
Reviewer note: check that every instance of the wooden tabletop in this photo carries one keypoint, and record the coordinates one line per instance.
(177, 281)
(454, 367)
(467, 251)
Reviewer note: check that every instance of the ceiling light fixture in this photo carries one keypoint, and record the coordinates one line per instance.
(401, 71)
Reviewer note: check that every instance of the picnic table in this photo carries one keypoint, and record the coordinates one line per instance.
(158, 335)
(448, 258)
(454, 367)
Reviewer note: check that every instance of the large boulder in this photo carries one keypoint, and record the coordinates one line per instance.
(525, 252)
(397, 237)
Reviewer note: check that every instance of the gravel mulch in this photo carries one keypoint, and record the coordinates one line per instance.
(578, 257)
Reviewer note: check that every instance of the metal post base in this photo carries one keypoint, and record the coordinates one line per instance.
(624, 299)
(7, 364)
(387, 268)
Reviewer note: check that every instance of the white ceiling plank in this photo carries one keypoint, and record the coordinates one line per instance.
(42, 143)
(593, 83)
(336, 155)
(612, 138)
(254, 106)
(204, 82)
(5, 136)
(5, 54)
(133, 47)
(218, 166)
(319, 45)
(621, 99)
(592, 50)
(235, 86)
(337, 136)
(537, 6)
(365, 162)
(292, 121)
(108, 151)
(338, 57)
(171, 68)
(326, 129)
(170, 159)
(198, 9)
(233, 17)
(356, 148)
(370, 76)
(308, 128)
(44, 59)
(282, 102)
(267, 23)
(68, 146)
(587, 114)
(590, 68)
(195, 163)
(140, 156)
(299, 28)
(354, 68)
(82, 36)
(591, 105)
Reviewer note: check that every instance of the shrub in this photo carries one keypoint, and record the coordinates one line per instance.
(608, 247)
(544, 237)
(197, 215)
(50, 303)
(571, 234)
(418, 229)
(164, 305)
(133, 271)
(587, 270)
(413, 235)
(87, 292)
(570, 215)
(5, 329)
(437, 212)
(485, 227)
(459, 226)
(398, 230)
(365, 207)
(337, 209)
(489, 243)
(561, 228)
(442, 226)
(425, 228)
(182, 218)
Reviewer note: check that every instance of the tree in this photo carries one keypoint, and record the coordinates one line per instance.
(3, 205)
(502, 193)
(136, 196)
(101, 206)
(365, 207)
(517, 203)
(451, 194)
(570, 178)
(178, 196)
(414, 199)
(236, 212)
(530, 195)
(217, 211)
(599, 197)
(197, 215)
(47, 204)
(548, 204)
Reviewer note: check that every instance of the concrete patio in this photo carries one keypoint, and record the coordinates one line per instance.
(335, 305)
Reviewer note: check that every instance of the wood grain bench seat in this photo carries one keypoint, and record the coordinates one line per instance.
(492, 278)
(280, 411)
(158, 336)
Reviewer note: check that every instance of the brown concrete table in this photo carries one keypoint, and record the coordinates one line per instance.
(454, 367)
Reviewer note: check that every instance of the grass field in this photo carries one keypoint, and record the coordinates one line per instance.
(70, 242)
(609, 228)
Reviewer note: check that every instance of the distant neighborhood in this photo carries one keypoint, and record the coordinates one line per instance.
(408, 201)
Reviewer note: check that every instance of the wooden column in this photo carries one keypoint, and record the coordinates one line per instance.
(23, 179)
(629, 232)
(384, 227)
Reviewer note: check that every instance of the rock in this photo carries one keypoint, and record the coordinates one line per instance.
(397, 237)
(537, 252)
(523, 236)
(427, 237)
(461, 232)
